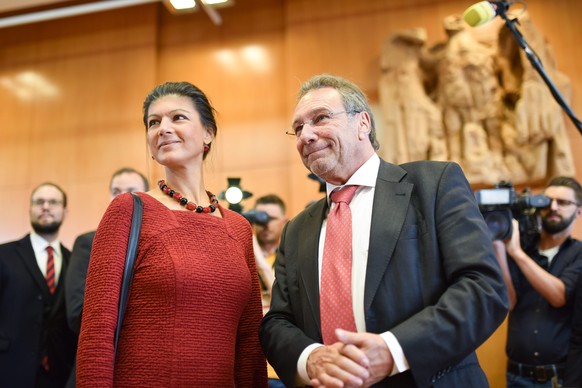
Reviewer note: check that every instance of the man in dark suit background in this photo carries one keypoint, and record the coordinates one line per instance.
(37, 348)
(426, 289)
(124, 180)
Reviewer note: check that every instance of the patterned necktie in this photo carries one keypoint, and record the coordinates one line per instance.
(336, 274)
(50, 269)
(50, 281)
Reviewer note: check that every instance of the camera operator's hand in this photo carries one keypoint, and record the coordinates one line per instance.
(513, 245)
(501, 256)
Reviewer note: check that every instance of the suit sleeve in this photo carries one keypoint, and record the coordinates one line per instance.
(282, 339)
(465, 298)
(76, 278)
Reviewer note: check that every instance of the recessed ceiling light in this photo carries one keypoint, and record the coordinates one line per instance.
(183, 4)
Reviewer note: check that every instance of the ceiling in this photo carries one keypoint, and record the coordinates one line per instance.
(14, 12)
(19, 5)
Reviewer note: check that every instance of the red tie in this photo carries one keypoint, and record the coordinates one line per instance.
(50, 281)
(336, 273)
(50, 269)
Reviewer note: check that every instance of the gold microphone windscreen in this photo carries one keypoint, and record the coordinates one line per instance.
(479, 13)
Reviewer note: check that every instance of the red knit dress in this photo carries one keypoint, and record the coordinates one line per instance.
(194, 307)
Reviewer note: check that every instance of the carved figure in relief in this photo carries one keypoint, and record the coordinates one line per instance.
(479, 103)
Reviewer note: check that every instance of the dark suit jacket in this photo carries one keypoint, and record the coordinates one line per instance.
(32, 321)
(573, 377)
(75, 287)
(432, 278)
(76, 278)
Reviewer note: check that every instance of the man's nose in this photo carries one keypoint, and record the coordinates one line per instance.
(308, 133)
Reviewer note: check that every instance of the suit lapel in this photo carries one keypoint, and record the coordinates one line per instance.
(59, 295)
(308, 262)
(26, 254)
(391, 201)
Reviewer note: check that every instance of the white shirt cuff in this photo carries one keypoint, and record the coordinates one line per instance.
(303, 377)
(400, 361)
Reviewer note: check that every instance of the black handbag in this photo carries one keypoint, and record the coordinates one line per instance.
(129, 262)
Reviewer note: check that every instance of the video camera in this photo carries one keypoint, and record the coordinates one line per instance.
(501, 204)
(256, 217)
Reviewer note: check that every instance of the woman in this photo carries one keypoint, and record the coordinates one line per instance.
(194, 306)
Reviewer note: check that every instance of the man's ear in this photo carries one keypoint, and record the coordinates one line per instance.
(364, 125)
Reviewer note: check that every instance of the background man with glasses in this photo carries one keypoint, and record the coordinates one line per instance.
(399, 295)
(540, 281)
(37, 348)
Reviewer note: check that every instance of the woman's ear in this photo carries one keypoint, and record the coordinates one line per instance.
(208, 136)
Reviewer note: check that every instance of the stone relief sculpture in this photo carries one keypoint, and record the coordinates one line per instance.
(412, 119)
(478, 103)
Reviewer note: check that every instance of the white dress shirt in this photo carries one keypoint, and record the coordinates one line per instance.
(361, 208)
(39, 246)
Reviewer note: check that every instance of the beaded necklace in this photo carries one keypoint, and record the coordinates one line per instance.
(185, 202)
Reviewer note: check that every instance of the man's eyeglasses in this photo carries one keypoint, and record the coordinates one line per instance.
(51, 202)
(563, 202)
(321, 119)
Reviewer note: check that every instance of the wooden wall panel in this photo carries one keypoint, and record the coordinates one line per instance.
(251, 67)
(100, 66)
(239, 67)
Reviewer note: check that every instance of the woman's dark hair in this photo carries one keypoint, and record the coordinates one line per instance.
(185, 89)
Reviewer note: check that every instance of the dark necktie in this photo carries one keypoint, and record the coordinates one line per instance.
(336, 274)
(50, 281)
(50, 269)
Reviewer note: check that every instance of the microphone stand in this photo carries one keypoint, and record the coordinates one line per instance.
(535, 61)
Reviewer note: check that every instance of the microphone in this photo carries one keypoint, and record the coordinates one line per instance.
(484, 11)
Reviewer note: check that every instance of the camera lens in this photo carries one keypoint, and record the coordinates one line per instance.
(499, 223)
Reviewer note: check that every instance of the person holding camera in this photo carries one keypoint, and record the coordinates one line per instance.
(268, 222)
(267, 233)
(540, 281)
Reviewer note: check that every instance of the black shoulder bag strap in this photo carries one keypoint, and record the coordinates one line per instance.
(129, 262)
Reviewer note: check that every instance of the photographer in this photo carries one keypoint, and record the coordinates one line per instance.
(540, 281)
(267, 234)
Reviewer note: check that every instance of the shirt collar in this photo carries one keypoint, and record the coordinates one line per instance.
(366, 175)
(39, 244)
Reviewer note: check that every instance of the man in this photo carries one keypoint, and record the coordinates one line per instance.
(265, 243)
(37, 348)
(124, 180)
(425, 288)
(540, 280)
